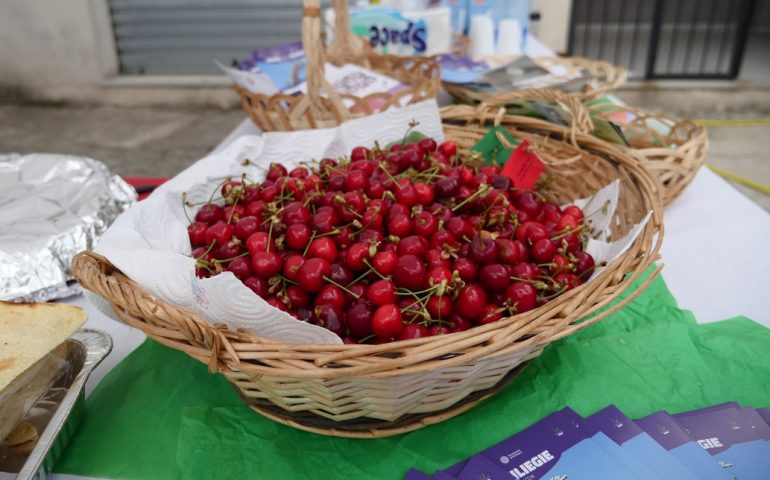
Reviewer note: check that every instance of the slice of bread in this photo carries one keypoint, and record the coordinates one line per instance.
(28, 332)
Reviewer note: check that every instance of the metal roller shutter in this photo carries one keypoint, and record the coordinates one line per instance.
(186, 36)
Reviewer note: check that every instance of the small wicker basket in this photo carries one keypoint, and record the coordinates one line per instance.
(673, 149)
(370, 391)
(282, 112)
(605, 78)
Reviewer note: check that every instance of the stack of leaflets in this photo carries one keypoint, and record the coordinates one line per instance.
(723, 442)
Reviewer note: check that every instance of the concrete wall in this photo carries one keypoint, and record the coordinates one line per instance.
(64, 51)
(54, 48)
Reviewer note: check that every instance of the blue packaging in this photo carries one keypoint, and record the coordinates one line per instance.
(666, 431)
(554, 447)
(637, 443)
(728, 437)
(458, 15)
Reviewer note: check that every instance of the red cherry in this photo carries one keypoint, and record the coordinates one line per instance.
(266, 264)
(483, 250)
(525, 271)
(529, 202)
(323, 247)
(567, 222)
(245, 227)
(535, 232)
(276, 302)
(458, 227)
(522, 296)
(324, 220)
(370, 236)
(381, 292)
(584, 265)
(331, 295)
(439, 330)
(425, 224)
(437, 258)
(220, 232)
(257, 285)
(299, 172)
(355, 256)
(543, 250)
(439, 307)
(386, 321)
(470, 301)
(240, 268)
(209, 214)
(575, 212)
(359, 153)
(296, 297)
(446, 187)
(427, 145)
(412, 331)
(276, 171)
(258, 242)
(438, 275)
(359, 319)
(413, 245)
(385, 262)
(443, 239)
(398, 209)
(312, 273)
(330, 318)
(567, 281)
(228, 251)
(425, 193)
(296, 212)
(256, 209)
(400, 226)
(409, 272)
(508, 251)
(197, 233)
(405, 193)
(570, 243)
(298, 236)
(291, 267)
(233, 213)
(490, 314)
(458, 323)
(341, 274)
(448, 148)
(466, 269)
(494, 277)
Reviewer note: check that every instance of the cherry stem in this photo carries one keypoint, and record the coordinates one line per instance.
(184, 207)
(345, 289)
(225, 260)
(366, 262)
(483, 188)
(307, 247)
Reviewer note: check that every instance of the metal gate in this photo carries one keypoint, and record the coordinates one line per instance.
(186, 36)
(657, 39)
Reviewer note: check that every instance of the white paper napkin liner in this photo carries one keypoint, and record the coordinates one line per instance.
(149, 242)
(610, 251)
(599, 209)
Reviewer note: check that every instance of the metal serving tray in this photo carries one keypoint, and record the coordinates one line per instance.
(57, 414)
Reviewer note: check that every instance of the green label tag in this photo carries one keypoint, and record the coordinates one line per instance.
(608, 131)
(492, 149)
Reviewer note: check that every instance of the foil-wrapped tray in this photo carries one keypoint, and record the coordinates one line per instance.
(54, 206)
(57, 414)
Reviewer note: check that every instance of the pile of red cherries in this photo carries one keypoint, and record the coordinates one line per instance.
(392, 243)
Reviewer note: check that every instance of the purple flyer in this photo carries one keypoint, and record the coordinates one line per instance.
(765, 414)
(729, 438)
(413, 474)
(667, 433)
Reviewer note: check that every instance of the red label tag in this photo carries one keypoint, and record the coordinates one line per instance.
(523, 167)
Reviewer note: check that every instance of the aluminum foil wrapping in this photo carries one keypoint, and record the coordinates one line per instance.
(52, 207)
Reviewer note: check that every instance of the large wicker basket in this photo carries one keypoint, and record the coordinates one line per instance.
(281, 112)
(671, 148)
(604, 78)
(381, 390)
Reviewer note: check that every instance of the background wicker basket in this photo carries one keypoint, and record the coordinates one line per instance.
(671, 148)
(281, 112)
(381, 390)
(604, 77)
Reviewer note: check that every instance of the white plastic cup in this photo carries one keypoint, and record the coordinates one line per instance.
(509, 37)
(482, 36)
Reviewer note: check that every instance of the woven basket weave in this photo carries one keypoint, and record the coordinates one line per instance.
(604, 78)
(282, 112)
(673, 149)
(381, 390)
